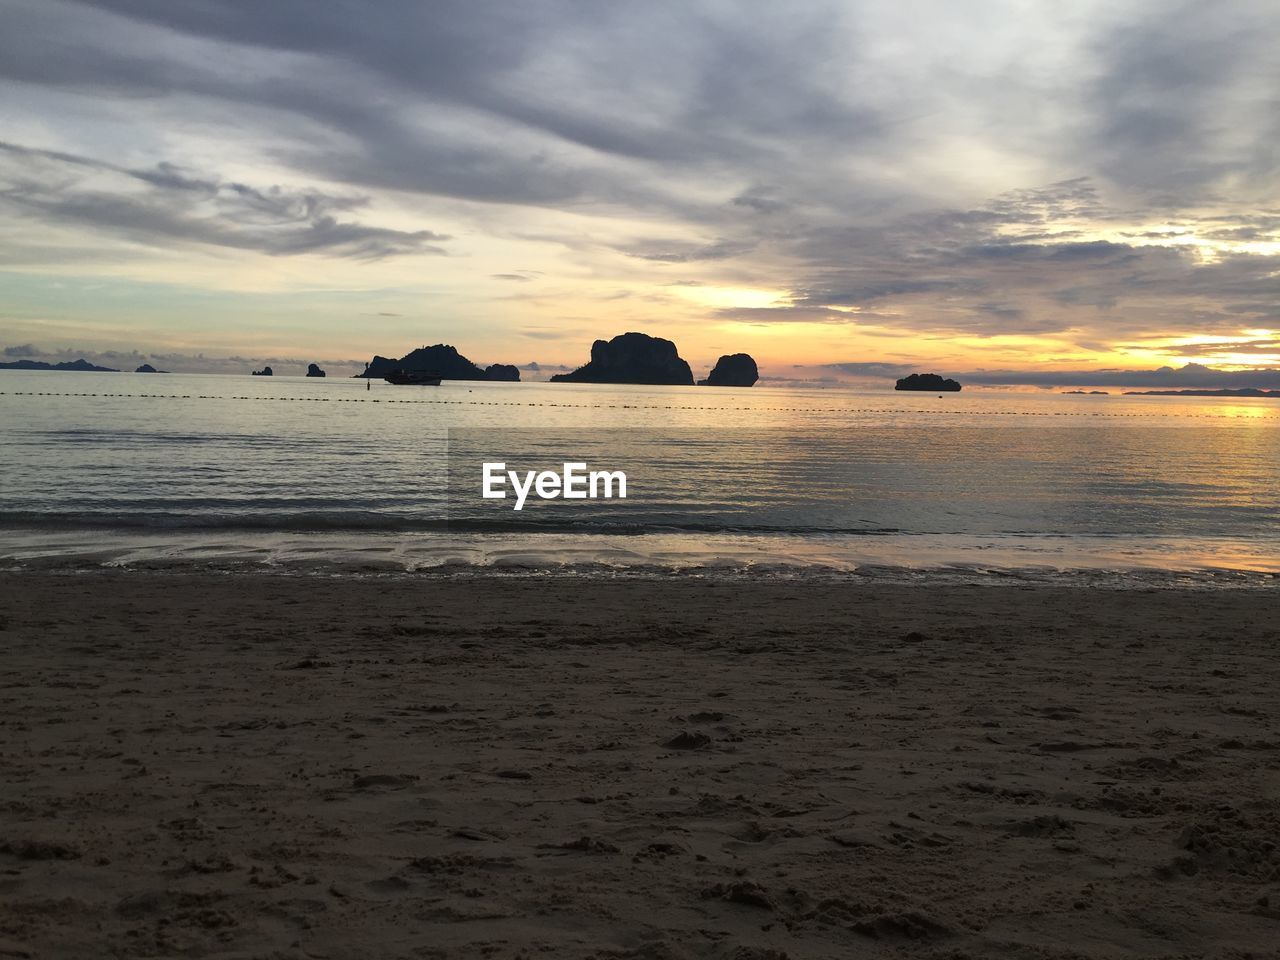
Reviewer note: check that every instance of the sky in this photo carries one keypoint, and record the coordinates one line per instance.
(1020, 192)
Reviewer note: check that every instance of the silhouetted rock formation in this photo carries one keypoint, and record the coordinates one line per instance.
(733, 370)
(502, 371)
(378, 367)
(74, 366)
(264, 372)
(313, 370)
(440, 359)
(631, 358)
(930, 382)
(148, 368)
(1087, 393)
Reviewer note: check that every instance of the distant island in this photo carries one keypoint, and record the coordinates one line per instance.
(930, 382)
(442, 360)
(75, 366)
(733, 370)
(148, 368)
(264, 372)
(1087, 393)
(313, 370)
(632, 358)
(1241, 392)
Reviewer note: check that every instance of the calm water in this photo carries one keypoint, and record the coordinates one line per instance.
(160, 469)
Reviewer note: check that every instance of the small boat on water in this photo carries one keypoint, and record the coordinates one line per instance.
(419, 378)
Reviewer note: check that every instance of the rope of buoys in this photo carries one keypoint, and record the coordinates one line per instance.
(1089, 414)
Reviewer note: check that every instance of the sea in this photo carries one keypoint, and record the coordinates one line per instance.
(338, 476)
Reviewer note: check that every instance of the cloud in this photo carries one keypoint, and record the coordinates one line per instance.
(163, 204)
(716, 250)
(792, 314)
(1263, 347)
(543, 334)
(974, 272)
(22, 350)
(1180, 100)
(1191, 376)
(873, 368)
(982, 170)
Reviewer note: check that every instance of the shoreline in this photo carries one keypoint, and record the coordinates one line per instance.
(341, 767)
(1117, 561)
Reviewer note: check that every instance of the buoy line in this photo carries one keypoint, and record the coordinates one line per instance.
(638, 406)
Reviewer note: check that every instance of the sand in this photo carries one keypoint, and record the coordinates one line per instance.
(271, 766)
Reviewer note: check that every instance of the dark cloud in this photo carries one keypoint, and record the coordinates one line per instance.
(22, 350)
(533, 104)
(973, 272)
(175, 206)
(756, 204)
(1183, 99)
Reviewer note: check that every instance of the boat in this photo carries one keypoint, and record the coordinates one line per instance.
(418, 378)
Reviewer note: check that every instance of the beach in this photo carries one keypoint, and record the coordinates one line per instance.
(262, 765)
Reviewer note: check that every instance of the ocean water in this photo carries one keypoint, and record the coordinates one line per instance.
(139, 470)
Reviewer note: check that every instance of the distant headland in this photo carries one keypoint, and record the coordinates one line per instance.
(74, 366)
(928, 382)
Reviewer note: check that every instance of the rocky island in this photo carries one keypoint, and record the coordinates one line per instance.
(733, 370)
(632, 358)
(502, 371)
(927, 382)
(148, 368)
(264, 372)
(313, 370)
(442, 360)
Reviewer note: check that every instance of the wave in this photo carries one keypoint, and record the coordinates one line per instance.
(356, 521)
(776, 569)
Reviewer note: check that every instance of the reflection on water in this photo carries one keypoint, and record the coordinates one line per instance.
(809, 475)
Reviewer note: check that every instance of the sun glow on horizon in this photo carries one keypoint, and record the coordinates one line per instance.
(1200, 349)
(732, 297)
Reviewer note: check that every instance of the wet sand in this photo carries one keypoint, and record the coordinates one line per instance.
(267, 766)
